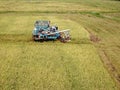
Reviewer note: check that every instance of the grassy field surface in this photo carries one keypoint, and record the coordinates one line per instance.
(77, 65)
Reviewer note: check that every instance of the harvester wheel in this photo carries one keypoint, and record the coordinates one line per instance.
(33, 37)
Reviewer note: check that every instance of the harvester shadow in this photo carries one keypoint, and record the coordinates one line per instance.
(22, 38)
(72, 41)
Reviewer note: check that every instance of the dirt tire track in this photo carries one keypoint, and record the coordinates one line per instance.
(110, 67)
(106, 60)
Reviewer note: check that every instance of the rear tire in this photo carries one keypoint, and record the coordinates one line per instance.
(34, 37)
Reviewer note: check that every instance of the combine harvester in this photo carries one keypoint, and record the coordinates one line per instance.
(43, 32)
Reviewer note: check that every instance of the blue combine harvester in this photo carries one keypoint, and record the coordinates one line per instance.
(43, 31)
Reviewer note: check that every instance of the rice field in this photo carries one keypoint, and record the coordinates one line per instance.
(76, 65)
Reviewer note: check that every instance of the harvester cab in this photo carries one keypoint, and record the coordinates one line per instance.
(43, 31)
